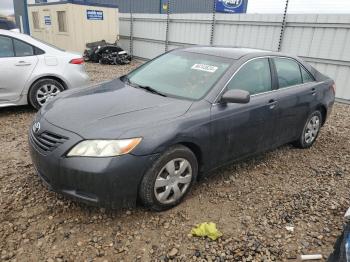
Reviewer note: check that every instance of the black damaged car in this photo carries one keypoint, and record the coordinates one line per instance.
(151, 134)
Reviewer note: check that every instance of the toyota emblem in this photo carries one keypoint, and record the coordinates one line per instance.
(36, 127)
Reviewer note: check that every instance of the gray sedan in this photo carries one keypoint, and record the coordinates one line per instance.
(151, 134)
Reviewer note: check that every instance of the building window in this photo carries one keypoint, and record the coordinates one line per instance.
(62, 21)
(35, 20)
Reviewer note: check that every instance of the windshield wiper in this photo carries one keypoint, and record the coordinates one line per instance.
(126, 79)
(149, 89)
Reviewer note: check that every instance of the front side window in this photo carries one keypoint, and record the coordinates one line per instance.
(181, 74)
(62, 21)
(22, 49)
(254, 77)
(6, 47)
(288, 72)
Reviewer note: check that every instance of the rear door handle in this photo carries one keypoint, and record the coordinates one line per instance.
(23, 63)
(272, 103)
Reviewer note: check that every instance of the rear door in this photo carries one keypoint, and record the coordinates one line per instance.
(296, 94)
(17, 62)
(239, 130)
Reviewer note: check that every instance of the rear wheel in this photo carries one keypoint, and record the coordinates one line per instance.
(43, 91)
(311, 130)
(170, 178)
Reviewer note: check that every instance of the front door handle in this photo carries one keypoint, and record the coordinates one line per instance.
(313, 91)
(22, 63)
(272, 104)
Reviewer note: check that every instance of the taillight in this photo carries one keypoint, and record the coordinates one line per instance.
(333, 88)
(77, 61)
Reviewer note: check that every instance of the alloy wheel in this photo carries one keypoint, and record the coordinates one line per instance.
(312, 129)
(46, 93)
(173, 181)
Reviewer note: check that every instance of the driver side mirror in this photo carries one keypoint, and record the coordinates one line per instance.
(236, 96)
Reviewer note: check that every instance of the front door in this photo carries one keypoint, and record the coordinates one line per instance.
(17, 62)
(239, 130)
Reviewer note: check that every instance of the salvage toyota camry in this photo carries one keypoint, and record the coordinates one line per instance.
(149, 135)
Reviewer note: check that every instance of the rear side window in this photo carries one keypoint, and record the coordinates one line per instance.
(23, 49)
(6, 47)
(306, 75)
(254, 77)
(288, 72)
(38, 51)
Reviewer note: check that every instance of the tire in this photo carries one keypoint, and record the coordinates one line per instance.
(163, 197)
(43, 90)
(311, 130)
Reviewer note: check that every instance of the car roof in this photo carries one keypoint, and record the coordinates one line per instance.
(31, 40)
(226, 51)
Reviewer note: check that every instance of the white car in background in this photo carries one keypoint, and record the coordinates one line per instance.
(32, 72)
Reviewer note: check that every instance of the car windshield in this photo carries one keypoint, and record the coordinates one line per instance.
(181, 74)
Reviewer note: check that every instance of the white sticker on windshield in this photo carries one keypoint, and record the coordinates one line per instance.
(206, 68)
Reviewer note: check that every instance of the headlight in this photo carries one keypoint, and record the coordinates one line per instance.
(104, 148)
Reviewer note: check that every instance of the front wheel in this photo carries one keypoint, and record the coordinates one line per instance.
(170, 178)
(310, 131)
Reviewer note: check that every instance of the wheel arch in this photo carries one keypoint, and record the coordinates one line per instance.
(58, 79)
(190, 144)
(323, 110)
(197, 151)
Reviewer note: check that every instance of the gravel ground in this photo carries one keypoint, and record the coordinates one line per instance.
(251, 202)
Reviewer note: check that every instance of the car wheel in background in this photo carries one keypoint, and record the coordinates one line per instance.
(43, 90)
(310, 131)
(170, 178)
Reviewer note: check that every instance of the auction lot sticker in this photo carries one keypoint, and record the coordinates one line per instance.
(203, 67)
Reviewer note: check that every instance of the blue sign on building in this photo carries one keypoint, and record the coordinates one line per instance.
(94, 14)
(47, 20)
(231, 6)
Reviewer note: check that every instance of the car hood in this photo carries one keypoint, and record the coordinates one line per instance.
(109, 109)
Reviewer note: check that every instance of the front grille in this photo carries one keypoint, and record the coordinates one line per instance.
(47, 141)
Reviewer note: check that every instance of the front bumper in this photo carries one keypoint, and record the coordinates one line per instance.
(110, 182)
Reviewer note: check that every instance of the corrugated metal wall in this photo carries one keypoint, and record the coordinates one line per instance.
(322, 40)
